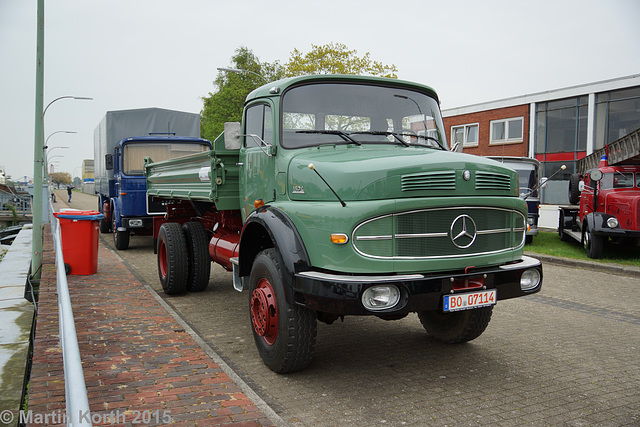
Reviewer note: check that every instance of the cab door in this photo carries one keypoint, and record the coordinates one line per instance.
(257, 156)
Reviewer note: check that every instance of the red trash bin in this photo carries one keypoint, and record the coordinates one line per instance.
(79, 231)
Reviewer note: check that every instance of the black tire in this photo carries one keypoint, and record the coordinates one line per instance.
(457, 327)
(172, 259)
(574, 189)
(528, 240)
(561, 227)
(67, 268)
(105, 226)
(120, 238)
(593, 243)
(285, 334)
(199, 267)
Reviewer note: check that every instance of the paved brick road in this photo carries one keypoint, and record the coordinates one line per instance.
(565, 356)
(139, 363)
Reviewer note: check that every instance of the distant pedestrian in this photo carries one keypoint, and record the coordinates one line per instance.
(69, 187)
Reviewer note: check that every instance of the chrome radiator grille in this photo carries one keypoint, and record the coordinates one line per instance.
(440, 233)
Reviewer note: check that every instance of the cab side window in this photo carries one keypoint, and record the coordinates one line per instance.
(259, 122)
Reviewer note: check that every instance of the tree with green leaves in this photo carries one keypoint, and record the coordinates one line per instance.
(61, 178)
(225, 104)
(336, 58)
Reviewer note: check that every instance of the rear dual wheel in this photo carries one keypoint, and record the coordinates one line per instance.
(199, 266)
(183, 258)
(172, 259)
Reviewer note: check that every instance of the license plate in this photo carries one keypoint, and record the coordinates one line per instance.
(468, 301)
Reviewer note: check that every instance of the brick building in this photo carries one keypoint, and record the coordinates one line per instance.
(556, 127)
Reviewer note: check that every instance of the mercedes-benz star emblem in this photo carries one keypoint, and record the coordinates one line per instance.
(463, 231)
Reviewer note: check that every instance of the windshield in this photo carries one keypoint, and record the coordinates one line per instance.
(341, 113)
(527, 179)
(135, 153)
(617, 179)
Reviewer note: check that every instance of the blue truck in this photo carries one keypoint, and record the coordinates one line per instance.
(122, 140)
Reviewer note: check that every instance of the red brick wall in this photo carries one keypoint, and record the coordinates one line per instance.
(484, 118)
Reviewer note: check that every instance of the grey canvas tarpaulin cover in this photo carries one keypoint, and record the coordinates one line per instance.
(117, 125)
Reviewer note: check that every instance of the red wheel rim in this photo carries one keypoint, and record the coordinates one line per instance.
(162, 259)
(264, 313)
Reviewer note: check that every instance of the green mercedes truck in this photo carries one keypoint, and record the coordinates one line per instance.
(336, 196)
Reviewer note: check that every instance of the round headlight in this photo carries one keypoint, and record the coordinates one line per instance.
(530, 279)
(381, 297)
(612, 222)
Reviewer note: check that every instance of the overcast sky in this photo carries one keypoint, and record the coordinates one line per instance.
(158, 53)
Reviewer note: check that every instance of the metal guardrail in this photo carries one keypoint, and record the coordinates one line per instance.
(20, 202)
(77, 403)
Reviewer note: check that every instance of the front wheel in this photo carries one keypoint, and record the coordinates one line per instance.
(120, 238)
(456, 327)
(593, 244)
(284, 333)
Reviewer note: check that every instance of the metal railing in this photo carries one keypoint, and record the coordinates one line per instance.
(20, 202)
(77, 403)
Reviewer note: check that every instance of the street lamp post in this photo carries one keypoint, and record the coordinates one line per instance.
(46, 142)
(65, 97)
(39, 144)
(46, 145)
(239, 71)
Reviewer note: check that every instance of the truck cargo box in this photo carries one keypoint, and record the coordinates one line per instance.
(116, 125)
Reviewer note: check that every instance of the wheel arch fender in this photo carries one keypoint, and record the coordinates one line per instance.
(270, 227)
(115, 212)
(595, 221)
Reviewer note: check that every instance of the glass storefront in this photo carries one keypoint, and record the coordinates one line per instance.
(561, 133)
(561, 139)
(617, 114)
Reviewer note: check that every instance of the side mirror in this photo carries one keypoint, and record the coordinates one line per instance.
(457, 147)
(232, 139)
(108, 162)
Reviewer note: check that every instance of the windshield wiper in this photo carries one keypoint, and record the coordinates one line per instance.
(428, 138)
(384, 133)
(345, 136)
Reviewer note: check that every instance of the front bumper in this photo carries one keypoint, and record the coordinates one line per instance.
(600, 228)
(341, 294)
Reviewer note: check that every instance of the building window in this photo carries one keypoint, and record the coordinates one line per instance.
(467, 135)
(616, 115)
(507, 131)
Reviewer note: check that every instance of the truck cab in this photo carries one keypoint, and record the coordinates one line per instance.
(608, 199)
(127, 210)
(339, 196)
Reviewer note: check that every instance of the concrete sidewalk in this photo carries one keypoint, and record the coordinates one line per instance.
(141, 366)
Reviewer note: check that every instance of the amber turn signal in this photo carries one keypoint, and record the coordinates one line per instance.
(339, 238)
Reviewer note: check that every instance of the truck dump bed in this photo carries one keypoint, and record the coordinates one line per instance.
(623, 150)
(212, 176)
